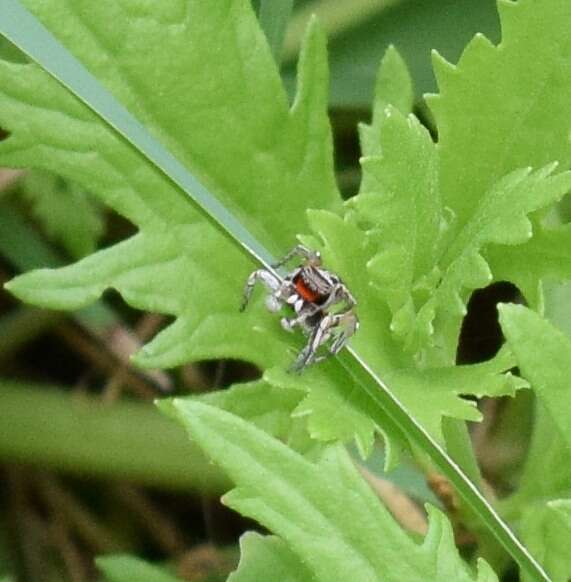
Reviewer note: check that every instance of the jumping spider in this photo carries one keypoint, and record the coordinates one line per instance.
(322, 304)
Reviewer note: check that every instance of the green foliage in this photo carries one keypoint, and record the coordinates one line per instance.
(343, 534)
(546, 369)
(543, 500)
(264, 557)
(431, 223)
(503, 108)
(179, 265)
(547, 531)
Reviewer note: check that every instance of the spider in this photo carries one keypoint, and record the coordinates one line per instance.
(312, 292)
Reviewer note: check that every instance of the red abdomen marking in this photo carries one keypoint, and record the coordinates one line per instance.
(305, 292)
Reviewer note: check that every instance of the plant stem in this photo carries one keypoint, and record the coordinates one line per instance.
(130, 440)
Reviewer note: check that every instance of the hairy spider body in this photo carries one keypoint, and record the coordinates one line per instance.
(322, 304)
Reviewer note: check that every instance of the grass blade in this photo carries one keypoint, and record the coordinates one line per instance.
(25, 31)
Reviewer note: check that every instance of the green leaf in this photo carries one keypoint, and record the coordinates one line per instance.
(427, 396)
(547, 254)
(426, 260)
(557, 301)
(131, 569)
(268, 558)
(345, 534)
(499, 102)
(162, 256)
(500, 218)
(393, 88)
(547, 532)
(67, 213)
(268, 406)
(543, 354)
(423, 391)
(180, 266)
(280, 159)
(399, 205)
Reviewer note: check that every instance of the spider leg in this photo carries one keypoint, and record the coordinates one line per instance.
(270, 281)
(308, 310)
(321, 334)
(299, 251)
(351, 323)
(318, 337)
(339, 294)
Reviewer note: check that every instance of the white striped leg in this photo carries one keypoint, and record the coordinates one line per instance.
(271, 283)
(318, 337)
(322, 334)
(298, 251)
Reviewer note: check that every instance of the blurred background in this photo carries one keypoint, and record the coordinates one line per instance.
(87, 465)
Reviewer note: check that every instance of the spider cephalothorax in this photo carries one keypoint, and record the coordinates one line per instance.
(322, 304)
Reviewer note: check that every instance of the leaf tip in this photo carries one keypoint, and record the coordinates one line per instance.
(507, 311)
(167, 406)
(443, 69)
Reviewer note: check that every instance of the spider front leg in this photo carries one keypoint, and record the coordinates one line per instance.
(349, 324)
(339, 294)
(310, 256)
(271, 283)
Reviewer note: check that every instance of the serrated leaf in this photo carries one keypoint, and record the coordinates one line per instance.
(268, 558)
(130, 569)
(163, 217)
(270, 406)
(425, 390)
(499, 218)
(429, 394)
(399, 204)
(394, 88)
(426, 261)
(345, 534)
(547, 254)
(278, 155)
(176, 264)
(500, 102)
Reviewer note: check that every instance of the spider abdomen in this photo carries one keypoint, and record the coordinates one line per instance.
(307, 291)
